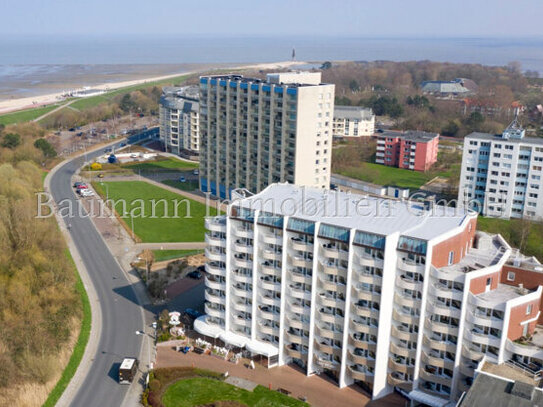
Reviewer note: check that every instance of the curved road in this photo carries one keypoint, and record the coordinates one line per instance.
(121, 313)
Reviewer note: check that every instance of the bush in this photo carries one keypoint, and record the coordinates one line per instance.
(47, 149)
(96, 166)
(11, 140)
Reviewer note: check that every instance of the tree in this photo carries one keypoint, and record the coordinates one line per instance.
(326, 65)
(11, 140)
(475, 120)
(127, 104)
(343, 101)
(47, 149)
(450, 129)
(354, 86)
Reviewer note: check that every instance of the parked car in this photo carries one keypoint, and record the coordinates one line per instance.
(81, 186)
(122, 145)
(182, 179)
(86, 192)
(108, 150)
(76, 184)
(71, 129)
(134, 155)
(192, 313)
(196, 172)
(195, 275)
(79, 134)
(128, 370)
(201, 268)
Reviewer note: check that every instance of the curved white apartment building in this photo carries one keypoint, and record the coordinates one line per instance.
(370, 291)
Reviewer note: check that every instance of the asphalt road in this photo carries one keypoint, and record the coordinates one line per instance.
(121, 314)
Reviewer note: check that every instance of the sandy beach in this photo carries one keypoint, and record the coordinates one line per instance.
(12, 105)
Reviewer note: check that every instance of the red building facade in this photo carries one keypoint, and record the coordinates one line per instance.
(411, 150)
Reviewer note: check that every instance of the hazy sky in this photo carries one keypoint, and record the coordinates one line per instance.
(376, 18)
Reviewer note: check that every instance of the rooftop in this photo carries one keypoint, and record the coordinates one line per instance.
(181, 98)
(411, 135)
(454, 86)
(353, 113)
(509, 372)
(291, 79)
(498, 137)
(344, 209)
(519, 260)
(500, 295)
(501, 392)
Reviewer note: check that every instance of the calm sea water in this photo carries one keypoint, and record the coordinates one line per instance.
(33, 60)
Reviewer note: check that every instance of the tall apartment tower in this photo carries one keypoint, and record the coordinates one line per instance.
(502, 175)
(385, 294)
(179, 120)
(255, 132)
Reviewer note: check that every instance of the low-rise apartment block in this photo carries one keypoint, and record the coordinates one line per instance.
(256, 132)
(179, 120)
(502, 174)
(412, 150)
(353, 121)
(380, 293)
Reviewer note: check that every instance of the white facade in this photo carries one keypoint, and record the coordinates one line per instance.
(179, 120)
(502, 176)
(357, 294)
(254, 132)
(353, 121)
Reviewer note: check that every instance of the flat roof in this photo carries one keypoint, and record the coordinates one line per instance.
(500, 295)
(366, 213)
(127, 363)
(353, 112)
(498, 137)
(244, 79)
(412, 135)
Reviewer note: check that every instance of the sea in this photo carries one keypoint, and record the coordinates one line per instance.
(48, 64)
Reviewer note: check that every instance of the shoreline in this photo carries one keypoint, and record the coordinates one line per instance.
(21, 104)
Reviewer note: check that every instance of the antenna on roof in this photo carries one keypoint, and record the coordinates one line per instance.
(514, 130)
(293, 54)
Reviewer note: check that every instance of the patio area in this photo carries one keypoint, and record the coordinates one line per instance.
(319, 391)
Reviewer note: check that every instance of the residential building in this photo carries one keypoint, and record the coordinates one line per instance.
(179, 120)
(353, 121)
(501, 175)
(375, 292)
(410, 150)
(256, 132)
(450, 89)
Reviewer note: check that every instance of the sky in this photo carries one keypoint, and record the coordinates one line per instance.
(349, 18)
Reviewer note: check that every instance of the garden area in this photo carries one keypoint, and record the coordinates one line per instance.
(188, 387)
(161, 164)
(157, 215)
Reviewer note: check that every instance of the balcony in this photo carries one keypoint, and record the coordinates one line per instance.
(330, 285)
(482, 338)
(328, 333)
(268, 300)
(301, 245)
(295, 353)
(331, 318)
(215, 241)
(270, 254)
(241, 247)
(440, 308)
(441, 290)
(270, 270)
(296, 338)
(299, 293)
(401, 332)
(215, 269)
(214, 297)
(361, 359)
(334, 252)
(365, 311)
(331, 302)
(397, 380)
(328, 349)
(240, 291)
(401, 367)
(401, 351)
(241, 320)
(268, 329)
(438, 344)
(270, 238)
(215, 284)
(242, 306)
(242, 278)
(407, 301)
(369, 260)
(243, 262)
(433, 358)
(362, 344)
(441, 327)
(362, 294)
(298, 276)
(409, 265)
(216, 224)
(471, 353)
(360, 374)
(333, 269)
(215, 255)
(300, 261)
(269, 284)
(213, 311)
(359, 326)
(368, 278)
(408, 283)
(296, 322)
(468, 369)
(326, 363)
(435, 378)
(242, 232)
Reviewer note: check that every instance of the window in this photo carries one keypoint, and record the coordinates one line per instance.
(529, 309)
(511, 276)
(451, 257)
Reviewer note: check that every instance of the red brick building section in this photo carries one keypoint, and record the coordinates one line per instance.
(521, 313)
(455, 247)
(527, 276)
(412, 150)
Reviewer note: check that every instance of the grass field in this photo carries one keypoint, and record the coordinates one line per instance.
(25, 115)
(161, 255)
(161, 165)
(138, 196)
(80, 345)
(199, 391)
(183, 186)
(384, 175)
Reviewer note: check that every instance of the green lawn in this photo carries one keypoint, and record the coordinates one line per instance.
(137, 197)
(161, 255)
(384, 175)
(183, 186)
(161, 165)
(199, 391)
(25, 115)
(80, 345)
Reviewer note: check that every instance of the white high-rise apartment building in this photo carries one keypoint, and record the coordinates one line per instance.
(179, 120)
(256, 132)
(353, 121)
(370, 291)
(502, 174)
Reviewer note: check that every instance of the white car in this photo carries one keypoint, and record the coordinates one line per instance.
(196, 172)
(87, 192)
